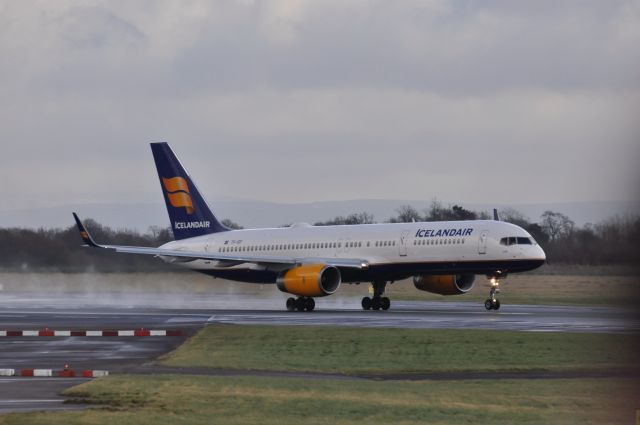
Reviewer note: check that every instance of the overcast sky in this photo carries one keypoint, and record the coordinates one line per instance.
(294, 101)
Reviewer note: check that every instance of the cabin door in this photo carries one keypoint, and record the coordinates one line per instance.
(482, 242)
(404, 242)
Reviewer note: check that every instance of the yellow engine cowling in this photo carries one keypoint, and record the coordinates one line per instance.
(310, 280)
(444, 284)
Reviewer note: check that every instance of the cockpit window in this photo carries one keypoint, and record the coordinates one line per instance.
(516, 240)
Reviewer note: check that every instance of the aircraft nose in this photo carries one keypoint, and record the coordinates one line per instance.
(541, 255)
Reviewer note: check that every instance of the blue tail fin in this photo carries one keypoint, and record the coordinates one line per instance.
(188, 212)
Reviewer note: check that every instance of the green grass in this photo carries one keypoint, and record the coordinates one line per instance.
(191, 399)
(538, 289)
(174, 399)
(383, 351)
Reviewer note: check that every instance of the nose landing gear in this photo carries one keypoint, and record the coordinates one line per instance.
(492, 303)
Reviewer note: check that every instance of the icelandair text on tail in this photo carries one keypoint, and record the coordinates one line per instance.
(192, 224)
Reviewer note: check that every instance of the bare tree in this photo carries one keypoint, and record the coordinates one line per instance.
(406, 214)
(511, 215)
(355, 218)
(556, 225)
(231, 224)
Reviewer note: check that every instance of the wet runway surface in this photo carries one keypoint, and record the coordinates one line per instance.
(188, 312)
(451, 315)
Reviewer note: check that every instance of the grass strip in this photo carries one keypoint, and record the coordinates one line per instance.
(170, 399)
(389, 351)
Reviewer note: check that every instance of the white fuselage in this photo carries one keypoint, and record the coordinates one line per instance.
(392, 251)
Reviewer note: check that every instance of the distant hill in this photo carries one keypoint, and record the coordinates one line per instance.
(267, 214)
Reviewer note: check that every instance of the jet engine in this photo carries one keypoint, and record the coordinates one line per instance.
(444, 284)
(310, 280)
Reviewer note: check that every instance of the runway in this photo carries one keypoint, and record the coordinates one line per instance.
(450, 315)
(189, 311)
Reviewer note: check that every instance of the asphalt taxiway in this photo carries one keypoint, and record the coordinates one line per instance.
(188, 312)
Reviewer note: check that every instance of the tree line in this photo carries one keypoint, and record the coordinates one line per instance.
(613, 241)
(609, 242)
(62, 250)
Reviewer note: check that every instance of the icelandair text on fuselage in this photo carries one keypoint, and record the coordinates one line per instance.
(192, 224)
(430, 233)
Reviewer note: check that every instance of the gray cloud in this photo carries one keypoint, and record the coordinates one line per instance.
(298, 101)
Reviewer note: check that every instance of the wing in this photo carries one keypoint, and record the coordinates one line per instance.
(228, 260)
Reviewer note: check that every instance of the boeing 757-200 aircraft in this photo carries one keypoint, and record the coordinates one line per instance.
(312, 261)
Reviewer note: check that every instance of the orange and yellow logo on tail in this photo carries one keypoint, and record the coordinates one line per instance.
(178, 193)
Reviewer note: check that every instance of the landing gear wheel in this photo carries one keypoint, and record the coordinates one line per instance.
(301, 304)
(492, 303)
(385, 303)
(291, 304)
(375, 303)
(366, 303)
(309, 304)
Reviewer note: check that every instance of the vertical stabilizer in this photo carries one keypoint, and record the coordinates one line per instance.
(189, 214)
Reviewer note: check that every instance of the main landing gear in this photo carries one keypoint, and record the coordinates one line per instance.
(376, 302)
(492, 303)
(301, 304)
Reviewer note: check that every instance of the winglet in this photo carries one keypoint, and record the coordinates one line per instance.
(496, 217)
(84, 234)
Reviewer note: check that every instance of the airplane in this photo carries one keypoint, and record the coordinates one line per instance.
(313, 261)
